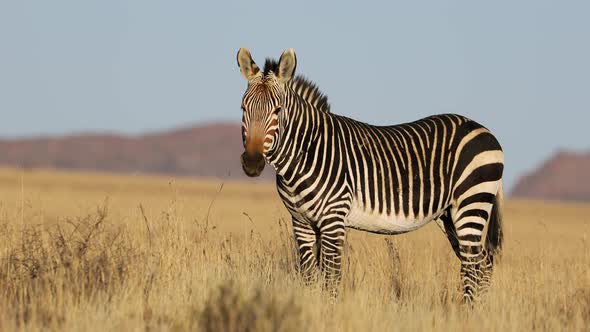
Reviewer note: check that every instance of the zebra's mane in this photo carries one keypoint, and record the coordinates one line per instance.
(271, 65)
(302, 86)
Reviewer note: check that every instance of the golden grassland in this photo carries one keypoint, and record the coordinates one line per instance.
(96, 252)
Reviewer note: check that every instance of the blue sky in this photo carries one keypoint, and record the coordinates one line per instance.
(521, 68)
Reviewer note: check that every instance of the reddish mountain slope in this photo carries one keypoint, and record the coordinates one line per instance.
(211, 150)
(565, 176)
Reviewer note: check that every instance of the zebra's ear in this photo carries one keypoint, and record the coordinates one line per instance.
(287, 65)
(247, 66)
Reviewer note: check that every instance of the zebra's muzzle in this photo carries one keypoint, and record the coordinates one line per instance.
(253, 165)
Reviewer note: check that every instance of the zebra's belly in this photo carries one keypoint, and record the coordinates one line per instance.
(362, 219)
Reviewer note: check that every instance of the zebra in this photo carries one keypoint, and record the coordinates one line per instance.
(333, 173)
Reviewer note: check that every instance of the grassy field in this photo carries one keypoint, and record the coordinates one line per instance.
(96, 252)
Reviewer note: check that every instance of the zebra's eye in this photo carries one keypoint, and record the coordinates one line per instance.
(277, 110)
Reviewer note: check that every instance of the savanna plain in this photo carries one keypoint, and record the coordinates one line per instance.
(95, 252)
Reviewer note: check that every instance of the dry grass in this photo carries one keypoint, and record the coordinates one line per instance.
(95, 252)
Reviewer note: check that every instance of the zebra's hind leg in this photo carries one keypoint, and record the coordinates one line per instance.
(470, 221)
(476, 274)
(307, 244)
(470, 273)
(486, 267)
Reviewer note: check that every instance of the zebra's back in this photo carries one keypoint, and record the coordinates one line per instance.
(406, 175)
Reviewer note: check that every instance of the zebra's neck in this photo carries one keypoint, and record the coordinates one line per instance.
(299, 128)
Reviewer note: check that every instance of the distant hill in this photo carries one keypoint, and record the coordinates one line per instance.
(565, 176)
(214, 151)
(209, 150)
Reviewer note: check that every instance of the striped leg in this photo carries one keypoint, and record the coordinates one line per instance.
(486, 267)
(307, 244)
(472, 273)
(471, 219)
(332, 240)
(476, 277)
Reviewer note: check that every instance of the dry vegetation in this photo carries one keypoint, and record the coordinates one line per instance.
(95, 252)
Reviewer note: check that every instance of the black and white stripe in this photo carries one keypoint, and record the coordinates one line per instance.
(334, 172)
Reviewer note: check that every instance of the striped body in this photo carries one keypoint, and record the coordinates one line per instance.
(391, 179)
(334, 172)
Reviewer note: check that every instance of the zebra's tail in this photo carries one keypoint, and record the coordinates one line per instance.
(495, 233)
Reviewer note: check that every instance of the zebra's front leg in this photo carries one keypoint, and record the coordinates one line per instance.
(307, 244)
(332, 243)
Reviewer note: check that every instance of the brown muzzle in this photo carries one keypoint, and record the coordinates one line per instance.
(252, 163)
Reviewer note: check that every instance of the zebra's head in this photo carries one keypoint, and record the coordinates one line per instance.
(261, 105)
